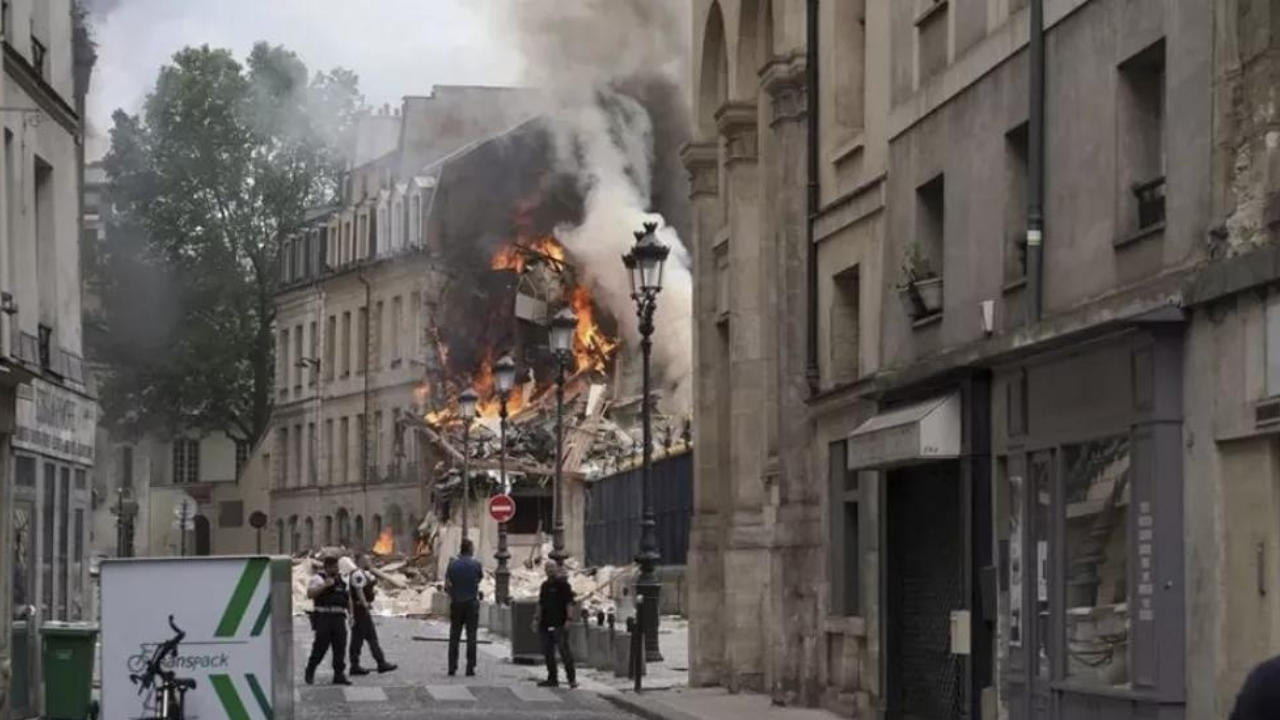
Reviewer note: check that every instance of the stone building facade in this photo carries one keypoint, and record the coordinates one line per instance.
(47, 412)
(953, 487)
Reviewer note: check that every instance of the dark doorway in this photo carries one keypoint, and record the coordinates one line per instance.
(924, 583)
(203, 541)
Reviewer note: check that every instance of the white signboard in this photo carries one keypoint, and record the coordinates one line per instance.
(56, 422)
(235, 612)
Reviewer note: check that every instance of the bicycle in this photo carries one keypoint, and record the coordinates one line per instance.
(168, 698)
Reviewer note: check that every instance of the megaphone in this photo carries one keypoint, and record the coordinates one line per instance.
(359, 579)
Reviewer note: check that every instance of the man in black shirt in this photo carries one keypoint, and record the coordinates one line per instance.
(363, 590)
(332, 602)
(462, 582)
(554, 615)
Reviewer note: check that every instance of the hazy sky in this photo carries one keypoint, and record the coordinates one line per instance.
(397, 47)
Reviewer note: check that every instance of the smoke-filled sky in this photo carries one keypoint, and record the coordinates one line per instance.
(397, 47)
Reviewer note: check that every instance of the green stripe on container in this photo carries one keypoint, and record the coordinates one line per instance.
(240, 599)
(227, 695)
(260, 696)
(263, 616)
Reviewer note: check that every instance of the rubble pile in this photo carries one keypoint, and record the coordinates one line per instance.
(405, 588)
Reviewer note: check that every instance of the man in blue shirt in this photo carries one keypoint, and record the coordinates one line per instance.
(462, 582)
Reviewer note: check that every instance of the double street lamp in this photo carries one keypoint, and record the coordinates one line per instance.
(564, 328)
(644, 265)
(504, 373)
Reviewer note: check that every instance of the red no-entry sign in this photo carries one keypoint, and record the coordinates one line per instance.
(502, 508)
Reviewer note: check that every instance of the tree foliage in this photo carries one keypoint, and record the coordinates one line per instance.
(223, 160)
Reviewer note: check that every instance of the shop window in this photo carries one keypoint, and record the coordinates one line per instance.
(1142, 138)
(846, 548)
(231, 514)
(1097, 486)
(845, 326)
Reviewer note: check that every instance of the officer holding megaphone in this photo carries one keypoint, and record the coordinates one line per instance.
(364, 584)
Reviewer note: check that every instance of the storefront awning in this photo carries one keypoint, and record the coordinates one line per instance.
(920, 432)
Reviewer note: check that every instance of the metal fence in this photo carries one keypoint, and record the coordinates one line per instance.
(614, 505)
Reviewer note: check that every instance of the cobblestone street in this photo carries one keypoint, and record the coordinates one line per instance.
(421, 688)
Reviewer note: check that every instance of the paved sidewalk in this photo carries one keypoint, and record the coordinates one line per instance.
(670, 674)
(709, 704)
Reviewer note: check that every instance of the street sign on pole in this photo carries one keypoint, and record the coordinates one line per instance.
(502, 508)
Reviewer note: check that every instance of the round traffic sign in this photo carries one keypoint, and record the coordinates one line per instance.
(502, 508)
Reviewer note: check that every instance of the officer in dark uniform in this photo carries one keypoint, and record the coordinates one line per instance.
(363, 590)
(332, 603)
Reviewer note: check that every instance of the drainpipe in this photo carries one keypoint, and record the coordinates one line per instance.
(814, 201)
(1035, 179)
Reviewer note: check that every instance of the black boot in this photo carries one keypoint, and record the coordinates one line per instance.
(341, 680)
(309, 676)
(387, 667)
(357, 670)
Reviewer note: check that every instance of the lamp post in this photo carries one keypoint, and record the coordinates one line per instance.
(504, 372)
(644, 264)
(467, 407)
(564, 327)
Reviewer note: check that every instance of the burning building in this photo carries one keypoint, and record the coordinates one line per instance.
(442, 256)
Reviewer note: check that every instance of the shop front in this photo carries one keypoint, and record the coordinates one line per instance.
(53, 452)
(1088, 478)
(928, 453)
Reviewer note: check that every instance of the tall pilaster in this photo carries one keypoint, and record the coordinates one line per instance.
(745, 556)
(796, 528)
(711, 361)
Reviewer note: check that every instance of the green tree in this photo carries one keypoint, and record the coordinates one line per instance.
(224, 160)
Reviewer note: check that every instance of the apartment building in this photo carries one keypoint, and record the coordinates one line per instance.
(1030, 396)
(47, 415)
(340, 461)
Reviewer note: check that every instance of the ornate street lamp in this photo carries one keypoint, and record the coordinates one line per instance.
(467, 402)
(564, 328)
(504, 372)
(645, 264)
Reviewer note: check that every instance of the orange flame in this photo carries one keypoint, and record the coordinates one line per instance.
(591, 347)
(517, 256)
(386, 543)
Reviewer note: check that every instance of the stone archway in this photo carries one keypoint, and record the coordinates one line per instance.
(713, 75)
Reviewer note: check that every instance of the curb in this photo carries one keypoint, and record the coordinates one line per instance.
(649, 710)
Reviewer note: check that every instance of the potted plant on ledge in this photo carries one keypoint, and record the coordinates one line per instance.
(921, 288)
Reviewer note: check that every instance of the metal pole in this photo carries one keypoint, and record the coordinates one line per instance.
(648, 585)
(502, 576)
(1035, 169)
(557, 533)
(120, 522)
(466, 477)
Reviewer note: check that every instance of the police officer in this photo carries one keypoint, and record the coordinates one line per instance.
(364, 589)
(332, 602)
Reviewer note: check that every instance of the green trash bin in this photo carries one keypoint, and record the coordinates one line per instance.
(68, 652)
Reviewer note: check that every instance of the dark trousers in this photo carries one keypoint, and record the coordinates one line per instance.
(463, 615)
(362, 631)
(330, 634)
(557, 638)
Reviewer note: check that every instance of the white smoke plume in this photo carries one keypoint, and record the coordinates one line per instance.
(580, 53)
